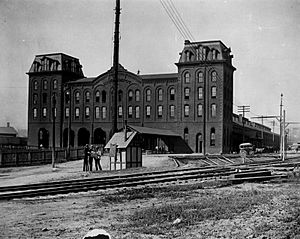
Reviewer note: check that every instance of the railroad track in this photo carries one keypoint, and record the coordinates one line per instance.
(232, 174)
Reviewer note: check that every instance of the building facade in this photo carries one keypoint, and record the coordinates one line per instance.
(195, 102)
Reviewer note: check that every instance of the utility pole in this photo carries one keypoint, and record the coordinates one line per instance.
(53, 129)
(243, 109)
(281, 127)
(115, 67)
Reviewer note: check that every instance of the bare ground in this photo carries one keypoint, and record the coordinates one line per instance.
(270, 210)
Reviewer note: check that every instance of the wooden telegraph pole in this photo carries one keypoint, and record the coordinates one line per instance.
(115, 67)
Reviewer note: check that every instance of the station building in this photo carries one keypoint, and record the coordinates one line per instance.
(195, 102)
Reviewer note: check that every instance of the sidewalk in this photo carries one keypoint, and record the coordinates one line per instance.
(73, 170)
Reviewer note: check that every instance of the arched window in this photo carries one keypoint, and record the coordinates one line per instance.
(137, 95)
(77, 97)
(44, 112)
(214, 76)
(45, 84)
(54, 84)
(160, 95)
(97, 112)
(104, 112)
(213, 92)
(87, 112)
(213, 110)
(77, 113)
(87, 97)
(212, 137)
(148, 95)
(200, 77)
(172, 111)
(129, 111)
(159, 111)
(186, 135)
(67, 112)
(35, 99)
(34, 113)
(120, 111)
(97, 96)
(35, 85)
(186, 93)
(130, 95)
(148, 111)
(45, 97)
(187, 77)
(200, 93)
(172, 94)
(200, 110)
(103, 96)
(137, 112)
(186, 110)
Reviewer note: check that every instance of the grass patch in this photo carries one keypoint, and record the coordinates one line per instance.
(159, 219)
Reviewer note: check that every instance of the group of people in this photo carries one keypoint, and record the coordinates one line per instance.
(92, 153)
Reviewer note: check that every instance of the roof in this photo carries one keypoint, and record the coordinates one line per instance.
(8, 131)
(119, 140)
(82, 80)
(153, 131)
(159, 76)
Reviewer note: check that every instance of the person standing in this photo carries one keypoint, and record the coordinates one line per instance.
(91, 155)
(86, 157)
(98, 158)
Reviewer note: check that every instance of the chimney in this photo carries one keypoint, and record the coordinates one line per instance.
(8, 124)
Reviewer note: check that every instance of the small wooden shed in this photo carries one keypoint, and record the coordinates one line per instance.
(124, 151)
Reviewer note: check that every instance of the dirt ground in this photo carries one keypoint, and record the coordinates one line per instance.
(181, 210)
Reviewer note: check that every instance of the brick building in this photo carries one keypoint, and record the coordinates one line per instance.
(195, 102)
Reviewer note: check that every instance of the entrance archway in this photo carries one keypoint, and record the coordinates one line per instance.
(199, 143)
(99, 136)
(65, 138)
(83, 137)
(43, 138)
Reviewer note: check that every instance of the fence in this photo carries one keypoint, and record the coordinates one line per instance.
(28, 157)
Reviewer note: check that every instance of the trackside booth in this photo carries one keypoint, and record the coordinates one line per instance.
(124, 151)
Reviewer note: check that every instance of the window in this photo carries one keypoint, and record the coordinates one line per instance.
(55, 110)
(103, 112)
(130, 95)
(67, 112)
(212, 137)
(97, 98)
(148, 95)
(34, 113)
(186, 135)
(120, 95)
(200, 77)
(103, 96)
(35, 85)
(159, 111)
(77, 97)
(87, 97)
(172, 94)
(35, 99)
(129, 111)
(120, 111)
(200, 93)
(160, 95)
(54, 84)
(186, 110)
(67, 97)
(137, 95)
(44, 112)
(172, 111)
(200, 110)
(214, 76)
(77, 113)
(45, 84)
(213, 92)
(87, 112)
(187, 77)
(45, 97)
(213, 110)
(137, 112)
(97, 112)
(186, 93)
(148, 111)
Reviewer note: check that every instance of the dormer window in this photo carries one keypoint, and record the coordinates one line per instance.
(214, 54)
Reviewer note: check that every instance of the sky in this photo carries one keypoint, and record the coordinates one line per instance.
(263, 35)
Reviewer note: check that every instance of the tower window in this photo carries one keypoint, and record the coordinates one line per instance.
(200, 93)
(44, 112)
(54, 84)
(199, 110)
(34, 113)
(172, 94)
(213, 92)
(214, 76)
(213, 110)
(35, 85)
(200, 77)
(187, 77)
(186, 93)
(186, 110)
(103, 112)
(77, 97)
(45, 84)
(130, 95)
(137, 112)
(35, 99)
(67, 112)
(45, 97)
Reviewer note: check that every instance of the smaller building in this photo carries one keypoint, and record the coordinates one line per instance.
(9, 137)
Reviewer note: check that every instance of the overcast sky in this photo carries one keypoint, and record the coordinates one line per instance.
(263, 35)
